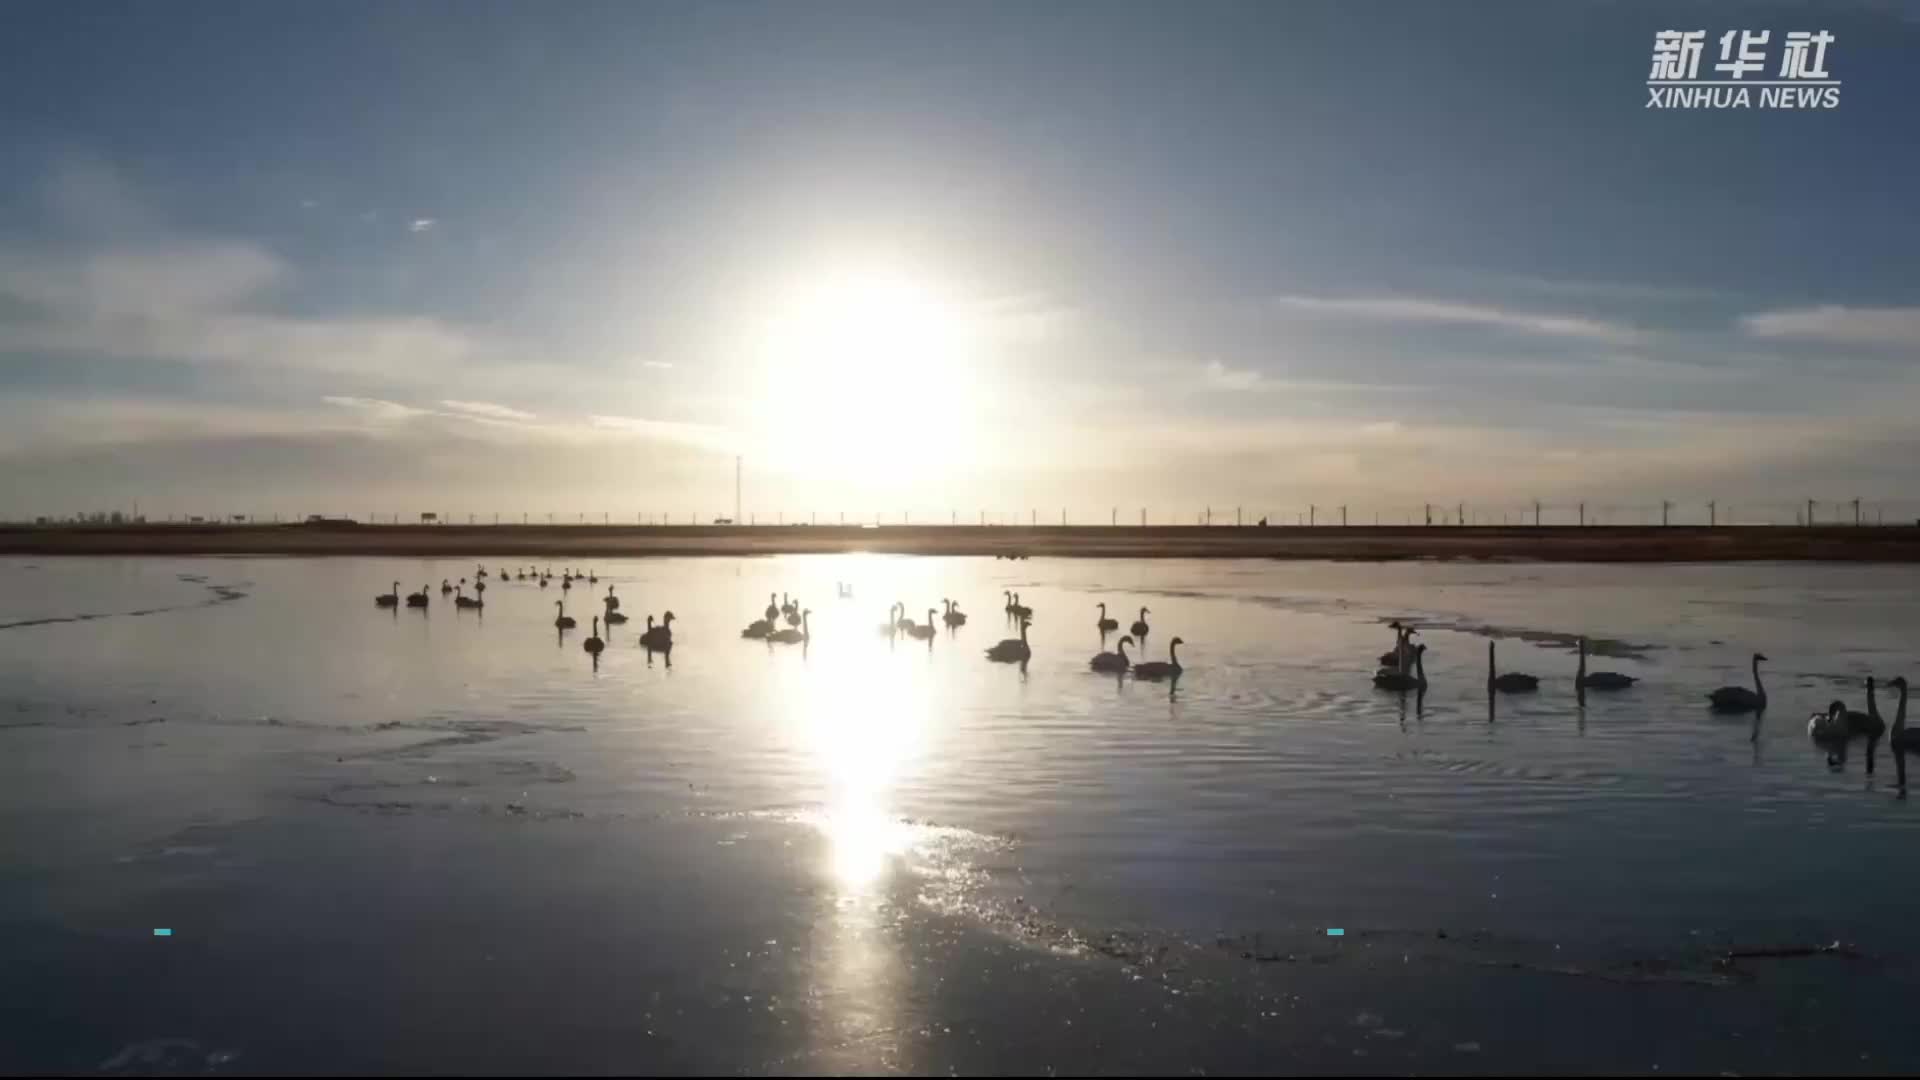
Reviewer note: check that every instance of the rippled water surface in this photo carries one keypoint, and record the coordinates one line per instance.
(153, 711)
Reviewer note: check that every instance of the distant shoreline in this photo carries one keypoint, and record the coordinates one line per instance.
(1552, 543)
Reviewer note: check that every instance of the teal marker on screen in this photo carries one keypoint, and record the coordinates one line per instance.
(158, 932)
(1336, 932)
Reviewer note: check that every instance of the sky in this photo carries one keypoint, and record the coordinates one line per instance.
(943, 259)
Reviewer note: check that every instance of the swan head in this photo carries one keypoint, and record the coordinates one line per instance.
(667, 618)
(1836, 708)
(1757, 657)
(1898, 682)
(1176, 641)
(1126, 639)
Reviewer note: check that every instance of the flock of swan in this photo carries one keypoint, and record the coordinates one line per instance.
(657, 637)
(1401, 668)
(1013, 650)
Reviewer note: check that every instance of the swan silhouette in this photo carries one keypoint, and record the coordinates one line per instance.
(1739, 699)
(790, 636)
(1512, 682)
(1599, 680)
(563, 620)
(1157, 669)
(1139, 627)
(1113, 661)
(1013, 650)
(1106, 625)
(388, 599)
(593, 644)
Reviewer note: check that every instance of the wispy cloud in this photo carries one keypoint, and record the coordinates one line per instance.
(701, 435)
(1412, 310)
(487, 410)
(1840, 325)
(1221, 377)
(422, 224)
(661, 365)
(376, 408)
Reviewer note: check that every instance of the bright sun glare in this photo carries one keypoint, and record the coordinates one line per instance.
(869, 375)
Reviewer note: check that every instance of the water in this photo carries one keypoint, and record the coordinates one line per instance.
(218, 735)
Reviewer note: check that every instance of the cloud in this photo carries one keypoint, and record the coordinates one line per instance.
(1221, 377)
(1840, 325)
(659, 364)
(487, 410)
(422, 224)
(375, 407)
(200, 302)
(1407, 310)
(701, 435)
(309, 204)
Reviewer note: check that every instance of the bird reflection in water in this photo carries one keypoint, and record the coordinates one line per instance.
(666, 655)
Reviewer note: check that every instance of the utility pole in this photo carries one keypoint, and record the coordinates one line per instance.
(736, 489)
(1713, 514)
(1460, 514)
(1666, 511)
(1343, 516)
(1115, 518)
(1536, 513)
(1236, 517)
(1856, 511)
(1583, 515)
(1809, 513)
(1313, 514)
(1143, 517)
(1428, 507)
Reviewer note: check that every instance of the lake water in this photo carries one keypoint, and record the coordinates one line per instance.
(451, 840)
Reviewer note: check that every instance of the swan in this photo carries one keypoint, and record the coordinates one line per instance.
(446, 588)
(954, 616)
(563, 620)
(1512, 682)
(481, 588)
(479, 571)
(793, 617)
(1830, 725)
(1021, 611)
(773, 611)
(659, 637)
(593, 644)
(519, 575)
(1113, 661)
(615, 618)
(790, 636)
(591, 579)
(892, 625)
(502, 575)
(1867, 723)
(1390, 679)
(923, 632)
(461, 601)
(1599, 680)
(903, 622)
(612, 601)
(1139, 627)
(566, 584)
(417, 599)
(1903, 740)
(1396, 657)
(1155, 669)
(388, 599)
(1739, 699)
(787, 607)
(1013, 650)
(1106, 625)
(758, 629)
(543, 583)
(1008, 606)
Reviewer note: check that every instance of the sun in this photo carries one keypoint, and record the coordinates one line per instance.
(869, 374)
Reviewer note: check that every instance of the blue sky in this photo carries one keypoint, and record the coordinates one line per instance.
(1267, 253)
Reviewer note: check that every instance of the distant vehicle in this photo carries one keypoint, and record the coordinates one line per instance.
(196, 520)
(322, 519)
(429, 518)
(723, 521)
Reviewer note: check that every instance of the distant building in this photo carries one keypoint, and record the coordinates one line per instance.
(429, 518)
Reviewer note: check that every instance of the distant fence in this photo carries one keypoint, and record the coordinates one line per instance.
(1863, 512)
